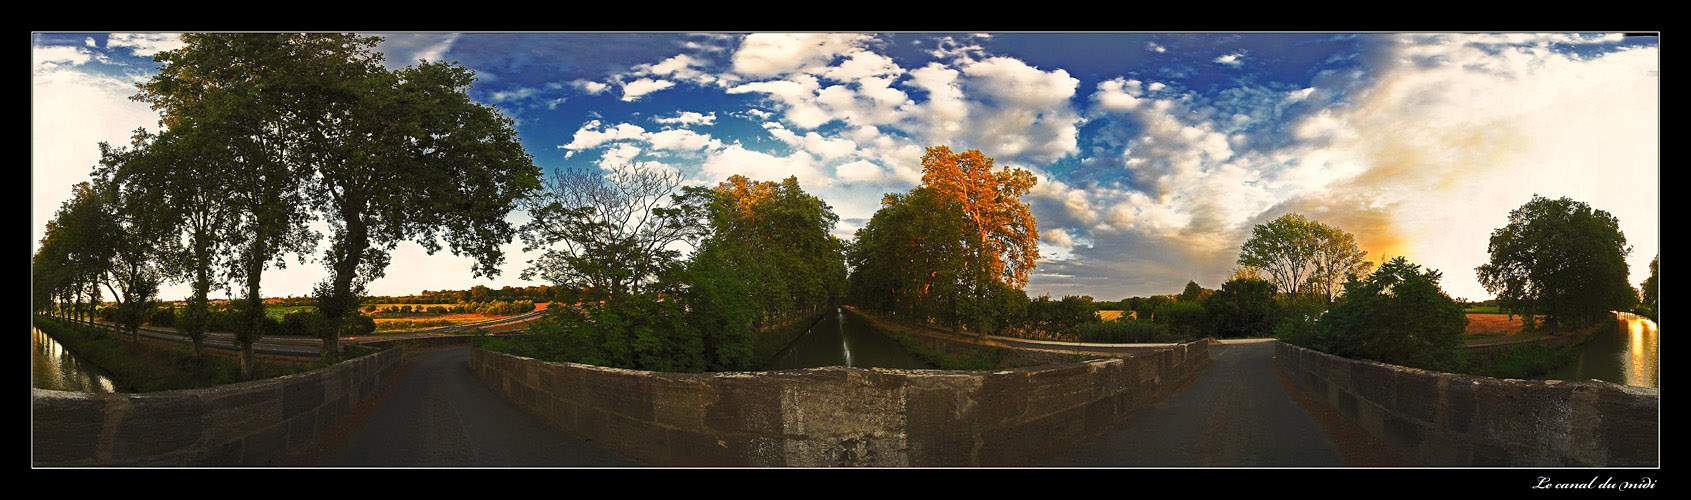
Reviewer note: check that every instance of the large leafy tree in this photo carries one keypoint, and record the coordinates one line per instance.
(1648, 290)
(1301, 256)
(1559, 258)
(231, 89)
(777, 238)
(1243, 307)
(395, 156)
(959, 241)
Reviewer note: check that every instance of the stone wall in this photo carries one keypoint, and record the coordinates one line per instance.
(1443, 419)
(244, 424)
(838, 416)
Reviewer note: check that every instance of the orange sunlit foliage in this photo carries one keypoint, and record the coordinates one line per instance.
(1005, 231)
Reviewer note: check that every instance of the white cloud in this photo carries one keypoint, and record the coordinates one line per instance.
(859, 171)
(775, 54)
(634, 90)
(1235, 59)
(687, 118)
(145, 44)
(589, 86)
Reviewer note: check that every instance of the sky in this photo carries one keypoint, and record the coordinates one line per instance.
(1155, 153)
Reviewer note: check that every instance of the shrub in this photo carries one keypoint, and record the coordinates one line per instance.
(1242, 308)
(1397, 315)
(303, 323)
(164, 317)
(1187, 320)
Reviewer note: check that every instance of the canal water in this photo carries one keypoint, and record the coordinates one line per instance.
(58, 369)
(843, 339)
(1628, 354)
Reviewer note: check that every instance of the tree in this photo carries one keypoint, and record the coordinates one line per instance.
(609, 232)
(185, 172)
(1194, 293)
(1396, 315)
(400, 155)
(1242, 307)
(230, 88)
(1560, 258)
(1647, 291)
(777, 238)
(1299, 255)
(934, 253)
(138, 230)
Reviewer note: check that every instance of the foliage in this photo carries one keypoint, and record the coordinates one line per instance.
(1243, 307)
(776, 239)
(608, 232)
(1193, 293)
(1648, 292)
(1061, 318)
(1559, 258)
(953, 251)
(1299, 255)
(1396, 315)
(1185, 319)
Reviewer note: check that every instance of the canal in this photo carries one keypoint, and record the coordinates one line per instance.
(58, 369)
(842, 339)
(1627, 354)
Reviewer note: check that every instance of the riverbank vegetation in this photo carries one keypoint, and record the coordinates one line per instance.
(763, 257)
(142, 366)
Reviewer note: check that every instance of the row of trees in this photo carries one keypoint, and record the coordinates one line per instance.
(265, 133)
(762, 253)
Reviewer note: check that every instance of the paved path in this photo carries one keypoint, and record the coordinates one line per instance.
(441, 415)
(1235, 413)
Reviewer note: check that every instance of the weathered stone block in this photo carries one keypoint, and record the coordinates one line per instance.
(157, 424)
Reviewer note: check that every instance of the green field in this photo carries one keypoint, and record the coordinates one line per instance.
(276, 312)
(1483, 310)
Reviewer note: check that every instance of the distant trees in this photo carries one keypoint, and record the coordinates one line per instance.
(949, 249)
(1559, 258)
(1299, 255)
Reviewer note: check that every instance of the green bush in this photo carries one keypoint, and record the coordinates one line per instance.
(1242, 308)
(1398, 315)
(1186, 320)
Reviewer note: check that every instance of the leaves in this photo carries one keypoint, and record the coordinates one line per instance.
(1560, 258)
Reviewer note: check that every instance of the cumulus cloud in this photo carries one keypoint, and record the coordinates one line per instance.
(638, 88)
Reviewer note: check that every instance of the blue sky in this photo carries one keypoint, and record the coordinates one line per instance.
(1156, 152)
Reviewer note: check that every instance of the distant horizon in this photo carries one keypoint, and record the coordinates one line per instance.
(1156, 153)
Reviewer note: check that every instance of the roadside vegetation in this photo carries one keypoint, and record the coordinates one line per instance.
(151, 366)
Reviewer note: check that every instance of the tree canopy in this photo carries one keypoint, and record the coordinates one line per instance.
(1559, 258)
(950, 248)
(1299, 255)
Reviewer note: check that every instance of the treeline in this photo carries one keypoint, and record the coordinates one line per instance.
(263, 134)
(229, 317)
(490, 308)
(762, 254)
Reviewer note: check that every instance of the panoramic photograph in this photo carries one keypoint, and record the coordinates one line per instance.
(1294, 250)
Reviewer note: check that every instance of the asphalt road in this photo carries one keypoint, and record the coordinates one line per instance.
(1235, 413)
(441, 415)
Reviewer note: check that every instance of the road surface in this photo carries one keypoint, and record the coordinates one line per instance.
(1235, 413)
(441, 415)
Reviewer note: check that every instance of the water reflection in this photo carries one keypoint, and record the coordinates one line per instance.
(58, 369)
(1629, 354)
(842, 339)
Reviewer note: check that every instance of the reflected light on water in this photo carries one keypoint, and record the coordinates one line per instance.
(60, 370)
(1642, 353)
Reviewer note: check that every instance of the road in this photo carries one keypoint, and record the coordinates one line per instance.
(1235, 413)
(441, 415)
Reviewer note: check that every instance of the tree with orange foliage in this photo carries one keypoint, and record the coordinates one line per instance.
(955, 250)
(1005, 233)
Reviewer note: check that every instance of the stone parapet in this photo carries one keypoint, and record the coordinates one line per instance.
(1444, 419)
(838, 416)
(243, 424)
